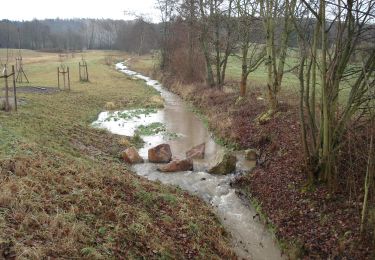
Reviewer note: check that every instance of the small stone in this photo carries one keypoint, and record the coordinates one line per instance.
(130, 155)
(251, 154)
(177, 166)
(226, 164)
(197, 152)
(160, 154)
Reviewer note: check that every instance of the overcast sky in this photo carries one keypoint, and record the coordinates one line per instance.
(41, 9)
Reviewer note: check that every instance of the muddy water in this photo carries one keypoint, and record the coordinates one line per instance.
(250, 238)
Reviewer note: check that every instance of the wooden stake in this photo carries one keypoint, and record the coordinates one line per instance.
(58, 77)
(14, 89)
(68, 79)
(80, 76)
(87, 73)
(64, 79)
(6, 89)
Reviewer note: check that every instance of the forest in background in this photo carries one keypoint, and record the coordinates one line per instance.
(136, 36)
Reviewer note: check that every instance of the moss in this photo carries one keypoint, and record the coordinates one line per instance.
(151, 129)
(155, 129)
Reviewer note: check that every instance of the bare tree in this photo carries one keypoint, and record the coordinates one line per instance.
(346, 24)
(273, 11)
(216, 37)
(249, 38)
(167, 12)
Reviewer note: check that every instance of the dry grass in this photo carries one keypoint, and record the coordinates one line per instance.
(64, 192)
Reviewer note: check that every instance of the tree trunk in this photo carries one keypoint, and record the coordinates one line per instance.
(326, 160)
(243, 84)
(272, 99)
(368, 182)
(244, 74)
(210, 75)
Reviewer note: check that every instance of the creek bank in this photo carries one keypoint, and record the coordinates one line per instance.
(250, 239)
(307, 224)
(65, 194)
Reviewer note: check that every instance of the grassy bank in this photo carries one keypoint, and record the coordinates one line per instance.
(309, 222)
(65, 193)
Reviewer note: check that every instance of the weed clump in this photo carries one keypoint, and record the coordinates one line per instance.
(110, 106)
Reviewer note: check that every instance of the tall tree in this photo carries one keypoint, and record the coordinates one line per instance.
(249, 31)
(272, 12)
(216, 37)
(167, 11)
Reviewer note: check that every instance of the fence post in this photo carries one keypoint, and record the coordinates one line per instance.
(79, 66)
(68, 79)
(14, 88)
(6, 88)
(64, 77)
(87, 72)
(58, 78)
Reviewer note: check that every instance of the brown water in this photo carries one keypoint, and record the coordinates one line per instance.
(250, 239)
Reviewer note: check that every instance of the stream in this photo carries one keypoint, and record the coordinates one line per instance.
(249, 237)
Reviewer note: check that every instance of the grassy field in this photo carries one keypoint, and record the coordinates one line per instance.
(64, 190)
(289, 88)
(257, 78)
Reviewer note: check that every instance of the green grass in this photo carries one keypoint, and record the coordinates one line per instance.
(64, 191)
(259, 76)
(290, 82)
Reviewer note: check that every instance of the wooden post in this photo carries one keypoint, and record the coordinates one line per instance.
(20, 72)
(80, 76)
(58, 77)
(6, 89)
(87, 73)
(18, 67)
(14, 88)
(68, 79)
(64, 78)
(83, 71)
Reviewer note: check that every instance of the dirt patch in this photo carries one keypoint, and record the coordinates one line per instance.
(37, 90)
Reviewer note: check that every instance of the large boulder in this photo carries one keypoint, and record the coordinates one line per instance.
(197, 152)
(177, 166)
(160, 154)
(251, 154)
(130, 155)
(225, 165)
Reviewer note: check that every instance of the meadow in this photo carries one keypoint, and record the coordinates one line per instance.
(65, 192)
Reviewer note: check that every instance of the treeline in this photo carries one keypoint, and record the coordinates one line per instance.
(333, 58)
(136, 36)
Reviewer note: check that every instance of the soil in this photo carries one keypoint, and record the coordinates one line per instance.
(37, 90)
